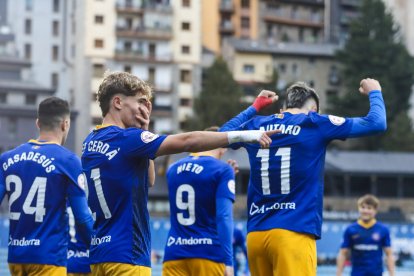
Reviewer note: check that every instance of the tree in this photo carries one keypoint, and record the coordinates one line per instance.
(219, 100)
(374, 49)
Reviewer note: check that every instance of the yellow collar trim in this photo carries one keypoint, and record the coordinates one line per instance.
(42, 143)
(102, 126)
(204, 153)
(367, 224)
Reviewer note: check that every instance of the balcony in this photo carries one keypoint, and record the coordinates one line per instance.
(226, 27)
(311, 21)
(156, 33)
(303, 2)
(226, 6)
(129, 8)
(351, 3)
(161, 111)
(347, 17)
(156, 7)
(139, 56)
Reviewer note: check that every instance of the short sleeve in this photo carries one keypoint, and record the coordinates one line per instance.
(226, 185)
(72, 169)
(346, 242)
(386, 241)
(142, 143)
(332, 127)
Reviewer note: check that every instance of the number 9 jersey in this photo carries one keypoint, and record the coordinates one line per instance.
(38, 178)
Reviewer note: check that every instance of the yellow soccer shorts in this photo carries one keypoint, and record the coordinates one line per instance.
(197, 267)
(281, 252)
(119, 269)
(36, 270)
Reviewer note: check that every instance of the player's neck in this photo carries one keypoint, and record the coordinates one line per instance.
(50, 137)
(109, 119)
(296, 111)
(367, 223)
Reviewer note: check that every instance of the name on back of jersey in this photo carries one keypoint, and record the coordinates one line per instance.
(41, 159)
(285, 129)
(190, 167)
(101, 147)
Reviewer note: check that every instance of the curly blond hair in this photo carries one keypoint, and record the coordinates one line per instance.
(120, 83)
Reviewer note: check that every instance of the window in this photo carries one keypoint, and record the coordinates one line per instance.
(99, 43)
(294, 69)
(245, 22)
(186, 3)
(98, 70)
(28, 26)
(151, 75)
(55, 53)
(27, 51)
(55, 28)
(245, 3)
(185, 76)
(282, 68)
(99, 19)
(185, 26)
(29, 5)
(127, 46)
(55, 80)
(3, 98)
(248, 68)
(152, 49)
(12, 127)
(185, 49)
(185, 102)
(127, 68)
(56, 4)
(30, 99)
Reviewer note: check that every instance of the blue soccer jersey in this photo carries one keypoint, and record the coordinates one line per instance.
(286, 180)
(38, 178)
(115, 162)
(194, 184)
(366, 246)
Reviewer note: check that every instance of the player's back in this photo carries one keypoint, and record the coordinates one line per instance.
(37, 178)
(286, 180)
(194, 183)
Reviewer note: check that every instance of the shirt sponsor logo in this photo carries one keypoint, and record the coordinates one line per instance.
(147, 136)
(366, 247)
(254, 209)
(78, 254)
(98, 241)
(336, 120)
(23, 242)
(189, 241)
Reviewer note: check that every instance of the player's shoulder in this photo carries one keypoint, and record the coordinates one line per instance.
(382, 226)
(326, 119)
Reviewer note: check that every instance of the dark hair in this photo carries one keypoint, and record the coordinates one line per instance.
(51, 112)
(297, 95)
(120, 83)
(370, 200)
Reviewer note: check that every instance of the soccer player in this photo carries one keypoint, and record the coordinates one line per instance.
(239, 243)
(285, 192)
(115, 160)
(201, 191)
(39, 177)
(365, 240)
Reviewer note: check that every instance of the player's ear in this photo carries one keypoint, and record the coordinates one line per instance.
(37, 123)
(117, 102)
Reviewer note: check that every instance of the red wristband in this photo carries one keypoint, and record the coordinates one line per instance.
(261, 102)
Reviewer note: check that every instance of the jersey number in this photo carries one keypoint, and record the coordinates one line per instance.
(188, 206)
(96, 177)
(38, 187)
(264, 155)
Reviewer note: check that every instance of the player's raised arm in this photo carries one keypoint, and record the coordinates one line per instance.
(376, 119)
(265, 98)
(197, 141)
